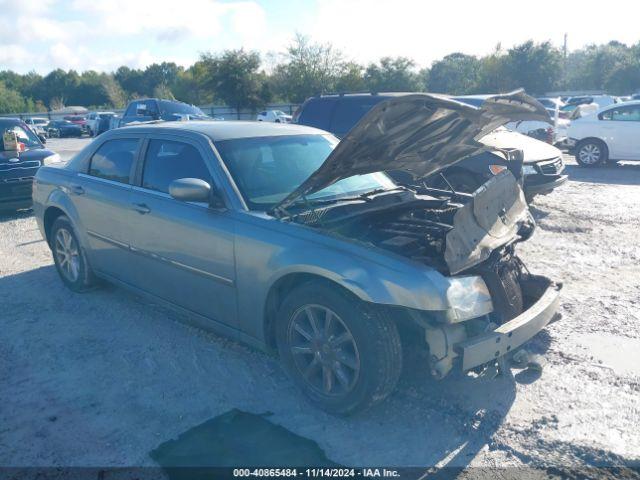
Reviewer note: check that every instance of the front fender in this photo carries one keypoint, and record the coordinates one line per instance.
(415, 288)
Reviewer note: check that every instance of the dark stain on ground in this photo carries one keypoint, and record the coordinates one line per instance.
(236, 438)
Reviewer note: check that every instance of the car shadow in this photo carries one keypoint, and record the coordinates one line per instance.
(7, 216)
(622, 174)
(119, 368)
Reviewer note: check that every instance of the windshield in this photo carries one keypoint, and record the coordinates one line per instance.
(180, 108)
(267, 169)
(25, 135)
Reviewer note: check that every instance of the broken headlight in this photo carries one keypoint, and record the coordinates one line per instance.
(468, 297)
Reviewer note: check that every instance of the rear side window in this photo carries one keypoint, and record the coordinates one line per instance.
(349, 112)
(167, 161)
(622, 114)
(113, 160)
(317, 112)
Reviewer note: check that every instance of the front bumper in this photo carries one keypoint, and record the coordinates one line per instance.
(544, 296)
(541, 184)
(15, 193)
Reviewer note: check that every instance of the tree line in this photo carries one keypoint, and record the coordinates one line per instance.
(246, 79)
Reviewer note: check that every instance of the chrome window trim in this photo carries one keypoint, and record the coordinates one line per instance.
(126, 186)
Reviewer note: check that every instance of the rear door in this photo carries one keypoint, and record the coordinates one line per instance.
(184, 250)
(101, 196)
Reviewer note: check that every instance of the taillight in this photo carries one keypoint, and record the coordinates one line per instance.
(550, 135)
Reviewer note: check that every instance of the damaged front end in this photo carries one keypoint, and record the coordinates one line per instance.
(496, 304)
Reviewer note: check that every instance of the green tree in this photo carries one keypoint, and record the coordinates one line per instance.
(309, 69)
(12, 102)
(456, 74)
(392, 75)
(235, 77)
(535, 67)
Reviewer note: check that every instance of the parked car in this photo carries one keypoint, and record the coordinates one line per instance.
(152, 109)
(38, 125)
(63, 129)
(610, 135)
(285, 238)
(276, 116)
(551, 103)
(93, 121)
(79, 120)
(18, 167)
(338, 114)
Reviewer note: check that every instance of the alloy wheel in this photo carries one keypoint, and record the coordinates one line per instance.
(323, 350)
(67, 254)
(590, 154)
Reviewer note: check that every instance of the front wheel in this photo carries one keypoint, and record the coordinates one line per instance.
(69, 257)
(591, 153)
(345, 355)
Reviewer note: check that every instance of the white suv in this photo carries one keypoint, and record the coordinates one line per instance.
(277, 116)
(610, 135)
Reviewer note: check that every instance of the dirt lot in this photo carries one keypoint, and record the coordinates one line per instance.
(103, 378)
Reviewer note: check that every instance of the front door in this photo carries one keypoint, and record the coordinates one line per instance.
(101, 197)
(184, 250)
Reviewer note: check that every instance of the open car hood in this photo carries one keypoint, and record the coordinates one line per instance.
(419, 133)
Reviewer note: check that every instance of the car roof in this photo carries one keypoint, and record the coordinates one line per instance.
(227, 130)
(621, 104)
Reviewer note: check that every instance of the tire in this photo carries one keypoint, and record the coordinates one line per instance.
(73, 268)
(591, 153)
(277, 120)
(361, 350)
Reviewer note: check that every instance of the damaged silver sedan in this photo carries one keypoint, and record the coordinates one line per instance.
(280, 236)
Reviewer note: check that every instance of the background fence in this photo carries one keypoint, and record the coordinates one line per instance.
(215, 111)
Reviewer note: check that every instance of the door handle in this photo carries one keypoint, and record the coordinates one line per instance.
(76, 189)
(141, 208)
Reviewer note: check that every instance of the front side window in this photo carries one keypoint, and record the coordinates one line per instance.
(113, 160)
(167, 161)
(25, 136)
(267, 169)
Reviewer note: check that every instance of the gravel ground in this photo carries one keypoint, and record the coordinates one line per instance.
(103, 378)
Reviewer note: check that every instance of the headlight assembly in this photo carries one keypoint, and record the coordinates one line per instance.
(469, 298)
(52, 160)
(529, 170)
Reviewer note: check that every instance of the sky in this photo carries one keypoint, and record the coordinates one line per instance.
(42, 35)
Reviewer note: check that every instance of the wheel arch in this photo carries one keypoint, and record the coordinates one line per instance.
(584, 140)
(51, 214)
(279, 290)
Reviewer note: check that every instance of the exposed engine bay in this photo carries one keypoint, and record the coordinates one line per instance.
(449, 231)
(453, 233)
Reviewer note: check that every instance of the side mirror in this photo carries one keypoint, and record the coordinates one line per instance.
(190, 190)
(42, 138)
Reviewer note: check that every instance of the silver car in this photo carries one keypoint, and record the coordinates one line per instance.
(283, 238)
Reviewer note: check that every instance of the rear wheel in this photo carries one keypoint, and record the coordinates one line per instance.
(345, 355)
(69, 257)
(591, 153)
